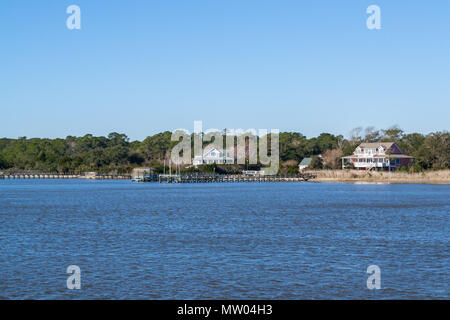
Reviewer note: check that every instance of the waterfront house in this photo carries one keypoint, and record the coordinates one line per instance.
(379, 156)
(305, 163)
(213, 154)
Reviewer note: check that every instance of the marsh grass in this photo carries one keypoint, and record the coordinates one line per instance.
(439, 176)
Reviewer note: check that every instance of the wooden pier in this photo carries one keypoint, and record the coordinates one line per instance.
(202, 178)
(167, 178)
(61, 176)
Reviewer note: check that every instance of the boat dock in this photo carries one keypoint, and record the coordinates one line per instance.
(61, 176)
(167, 178)
(202, 178)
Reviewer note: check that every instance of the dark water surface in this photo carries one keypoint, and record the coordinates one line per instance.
(222, 241)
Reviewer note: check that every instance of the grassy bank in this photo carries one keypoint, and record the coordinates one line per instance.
(434, 177)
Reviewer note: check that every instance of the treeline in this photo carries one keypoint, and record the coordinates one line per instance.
(116, 153)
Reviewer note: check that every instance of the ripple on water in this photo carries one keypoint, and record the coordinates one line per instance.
(222, 241)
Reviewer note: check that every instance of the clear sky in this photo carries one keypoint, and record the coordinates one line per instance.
(140, 67)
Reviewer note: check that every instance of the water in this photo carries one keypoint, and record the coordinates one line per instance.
(222, 241)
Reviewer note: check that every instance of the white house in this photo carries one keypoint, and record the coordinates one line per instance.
(212, 154)
(378, 155)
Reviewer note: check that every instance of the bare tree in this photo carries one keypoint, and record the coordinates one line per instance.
(355, 135)
(371, 135)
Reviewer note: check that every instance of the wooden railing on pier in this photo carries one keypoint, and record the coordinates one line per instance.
(202, 178)
(62, 176)
(173, 178)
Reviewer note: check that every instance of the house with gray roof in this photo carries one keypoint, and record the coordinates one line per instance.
(305, 163)
(214, 154)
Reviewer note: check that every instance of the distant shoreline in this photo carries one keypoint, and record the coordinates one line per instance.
(441, 177)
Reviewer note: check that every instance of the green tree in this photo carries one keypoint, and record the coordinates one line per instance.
(316, 163)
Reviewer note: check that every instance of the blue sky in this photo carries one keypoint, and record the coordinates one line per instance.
(141, 67)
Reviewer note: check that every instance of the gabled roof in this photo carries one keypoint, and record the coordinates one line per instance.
(386, 145)
(305, 162)
(211, 147)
